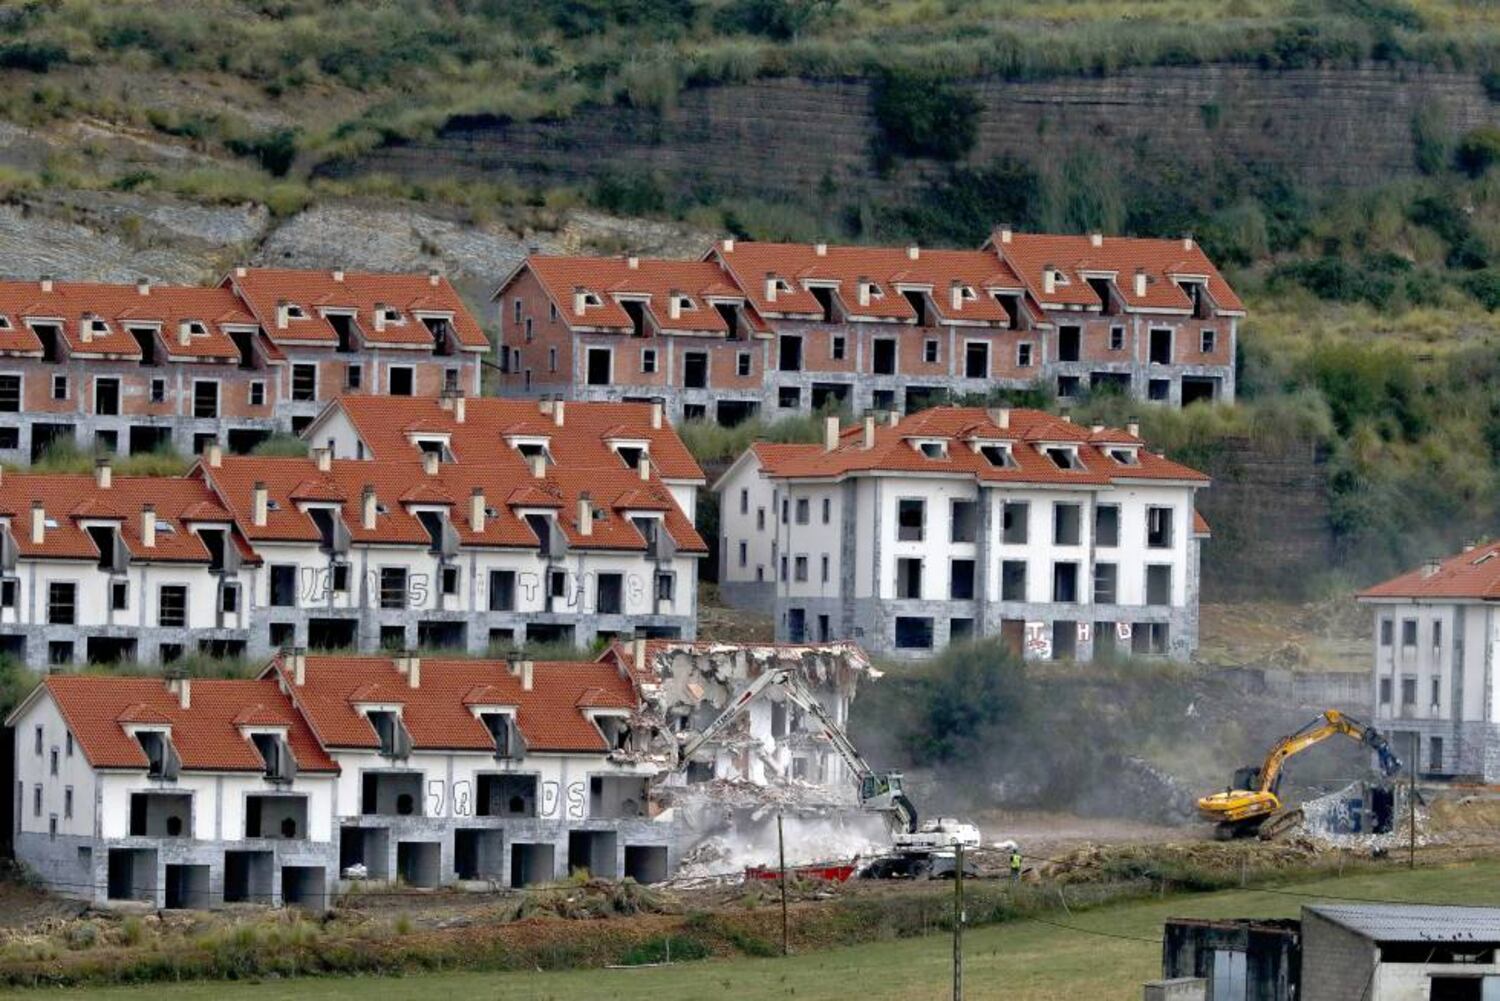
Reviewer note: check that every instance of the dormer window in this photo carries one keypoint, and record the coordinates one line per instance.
(4, 322)
(1124, 456)
(196, 329)
(532, 449)
(503, 730)
(1484, 559)
(1063, 456)
(389, 315)
(685, 303)
(98, 326)
(630, 453)
(933, 448)
(395, 742)
(435, 446)
(280, 765)
(997, 455)
(874, 291)
(295, 312)
(162, 761)
(967, 293)
(1059, 278)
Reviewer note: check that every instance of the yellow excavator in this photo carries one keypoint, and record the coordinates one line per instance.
(1251, 799)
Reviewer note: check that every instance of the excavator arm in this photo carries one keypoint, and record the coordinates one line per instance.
(1331, 723)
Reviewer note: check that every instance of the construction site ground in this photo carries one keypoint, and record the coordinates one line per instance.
(1103, 953)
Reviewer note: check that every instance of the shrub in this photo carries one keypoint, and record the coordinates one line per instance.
(782, 20)
(668, 948)
(922, 114)
(1478, 150)
(274, 150)
(1484, 286)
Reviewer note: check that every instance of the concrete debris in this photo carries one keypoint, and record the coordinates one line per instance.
(1342, 819)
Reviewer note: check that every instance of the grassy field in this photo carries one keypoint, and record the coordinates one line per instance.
(1105, 955)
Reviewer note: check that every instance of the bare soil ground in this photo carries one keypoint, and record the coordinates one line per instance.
(1331, 635)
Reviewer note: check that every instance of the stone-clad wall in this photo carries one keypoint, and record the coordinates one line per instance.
(1335, 126)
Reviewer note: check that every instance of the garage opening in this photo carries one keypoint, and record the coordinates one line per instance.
(507, 796)
(646, 863)
(365, 846)
(924, 397)
(593, 851)
(478, 854)
(419, 863)
(549, 632)
(732, 412)
(830, 395)
(132, 874)
(247, 877)
(531, 865)
(187, 887)
(442, 635)
(1064, 640)
(331, 634)
(146, 438)
(1199, 389)
(110, 650)
(242, 441)
(1117, 383)
(44, 436)
(304, 886)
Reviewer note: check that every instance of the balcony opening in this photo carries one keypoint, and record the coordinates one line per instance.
(145, 341)
(593, 852)
(789, 354)
(695, 370)
(391, 794)
(1159, 585)
(1069, 343)
(883, 357)
(247, 877)
(161, 815)
(283, 585)
(110, 650)
(1013, 580)
(617, 797)
(478, 853)
(506, 795)
(1065, 582)
(730, 413)
(730, 314)
(441, 330)
(600, 362)
(1160, 346)
(913, 632)
(830, 395)
(908, 578)
(646, 863)
(977, 360)
(368, 847)
(610, 595)
(911, 516)
(343, 329)
(420, 863)
(918, 303)
(636, 310)
(531, 864)
(824, 296)
(961, 580)
(1101, 286)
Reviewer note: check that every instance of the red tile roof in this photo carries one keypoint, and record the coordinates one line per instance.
(207, 735)
(411, 296)
(506, 481)
(69, 499)
(165, 309)
(1472, 575)
(1029, 254)
(437, 713)
(960, 428)
(886, 271)
(606, 280)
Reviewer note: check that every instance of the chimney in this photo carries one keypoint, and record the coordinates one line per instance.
(1000, 417)
(1133, 427)
(539, 465)
(1049, 279)
(558, 415)
(1096, 427)
(296, 660)
(1431, 566)
(368, 508)
(892, 418)
(1187, 241)
(182, 687)
(460, 409)
(821, 249)
(956, 295)
(728, 245)
(526, 678)
(184, 333)
(46, 283)
(830, 433)
(579, 298)
(1469, 547)
(324, 459)
(545, 404)
(1005, 232)
(430, 462)
(338, 274)
(240, 271)
(1140, 283)
(585, 514)
(143, 286)
(913, 252)
(282, 314)
(1067, 417)
(862, 285)
(674, 304)
(645, 467)
(770, 286)
(148, 526)
(445, 401)
(409, 664)
(638, 652)
(633, 263)
(1096, 239)
(379, 317)
(38, 523)
(259, 504)
(104, 475)
(434, 278)
(869, 438)
(656, 414)
(86, 328)
(476, 511)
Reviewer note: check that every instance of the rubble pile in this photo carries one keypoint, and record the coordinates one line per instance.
(1336, 821)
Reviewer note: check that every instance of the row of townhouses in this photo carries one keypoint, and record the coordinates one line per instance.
(450, 522)
(771, 329)
(333, 769)
(143, 367)
(905, 535)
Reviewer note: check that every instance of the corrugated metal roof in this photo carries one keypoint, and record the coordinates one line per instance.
(1414, 922)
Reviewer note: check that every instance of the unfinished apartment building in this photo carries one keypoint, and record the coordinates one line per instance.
(1436, 636)
(144, 367)
(108, 568)
(774, 329)
(401, 769)
(468, 525)
(1066, 542)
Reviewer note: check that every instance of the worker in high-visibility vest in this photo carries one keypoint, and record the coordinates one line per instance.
(1015, 865)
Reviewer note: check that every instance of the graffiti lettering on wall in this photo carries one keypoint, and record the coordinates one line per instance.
(568, 591)
(556, 798)
(558, 801)
(1038, 641)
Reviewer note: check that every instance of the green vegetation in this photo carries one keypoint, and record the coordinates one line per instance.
(712, 443)
(1102, 952)
(66, 457)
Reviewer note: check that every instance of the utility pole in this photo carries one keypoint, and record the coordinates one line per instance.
(786, 942)
(1411, 804)
(958, 923)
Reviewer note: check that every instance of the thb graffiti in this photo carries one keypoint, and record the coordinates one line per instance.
(557, 801)
(319, 584)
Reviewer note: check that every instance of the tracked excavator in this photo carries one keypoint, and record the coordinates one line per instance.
(1251, 804)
